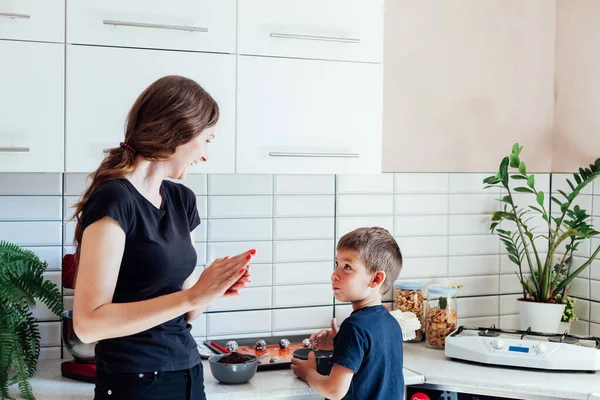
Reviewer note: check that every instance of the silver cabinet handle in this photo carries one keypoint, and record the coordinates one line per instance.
(313, 155)
(14, 149)
(311, 37)
(14, 16)
(155, 26)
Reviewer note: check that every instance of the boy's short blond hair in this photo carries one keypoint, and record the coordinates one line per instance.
(377, 250)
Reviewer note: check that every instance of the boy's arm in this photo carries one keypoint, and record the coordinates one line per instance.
(335, 386)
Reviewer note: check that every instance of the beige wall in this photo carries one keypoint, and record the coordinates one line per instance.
(577, 109)
(464, 79)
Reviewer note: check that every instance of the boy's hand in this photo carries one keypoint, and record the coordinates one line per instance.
(323, 340)
(302, 367)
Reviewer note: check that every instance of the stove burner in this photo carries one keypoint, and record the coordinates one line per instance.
(563, 339)
(488, 333)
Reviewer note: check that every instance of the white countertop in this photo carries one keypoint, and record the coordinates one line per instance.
(48, 384)
(490, 380)
(422, 366)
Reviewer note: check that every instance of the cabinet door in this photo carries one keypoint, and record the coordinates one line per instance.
(32, 104)
(103, 83)
(330, 30)
(308, 116)
(38, 20)
(200, 25)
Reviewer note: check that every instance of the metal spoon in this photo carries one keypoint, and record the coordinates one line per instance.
(256, 359)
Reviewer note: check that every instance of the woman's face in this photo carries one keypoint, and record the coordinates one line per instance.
(190, 154)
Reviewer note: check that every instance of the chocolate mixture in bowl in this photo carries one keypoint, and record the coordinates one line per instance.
(235, 358)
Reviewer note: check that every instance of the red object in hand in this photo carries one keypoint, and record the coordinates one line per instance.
(69, 267)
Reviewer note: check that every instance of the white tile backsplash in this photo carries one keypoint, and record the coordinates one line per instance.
(240, 206)
(23, 184)
(302, 318)
(302, 295)
(420, 204)
(30, 208)
(348, 224)
(441, 222)
(423, 246)
(367, 204)
(304, 184)
(303, 250)
(474, 265)
(303, 228)
(470, 183)
(421, 225)
(421, 183)
(240, 322)
(380, 183)
(302, 273)
(473, 203)
(242, 185)
(247, 229)
(39, 233)
(304, 206)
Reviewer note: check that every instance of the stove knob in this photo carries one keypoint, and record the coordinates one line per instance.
(540, 348)
(498, 343)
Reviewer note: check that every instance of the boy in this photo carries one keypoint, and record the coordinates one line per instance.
(367, 349)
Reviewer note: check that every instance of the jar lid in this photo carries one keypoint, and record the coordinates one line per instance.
(435, 289)
(406, 285)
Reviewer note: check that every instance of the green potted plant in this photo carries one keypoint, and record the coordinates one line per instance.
(546, 280)
(21, 283)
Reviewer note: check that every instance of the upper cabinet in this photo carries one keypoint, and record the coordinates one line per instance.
(37, 20)
(349, 30)
(103, 83)
(195, 25)
(308, 116)
(32, 104)
(298, 83)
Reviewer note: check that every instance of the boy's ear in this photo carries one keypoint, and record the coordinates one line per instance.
(377, 279)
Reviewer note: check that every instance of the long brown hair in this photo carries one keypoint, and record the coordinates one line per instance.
(170, 112)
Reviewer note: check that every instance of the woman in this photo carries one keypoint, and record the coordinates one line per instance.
(135, 287)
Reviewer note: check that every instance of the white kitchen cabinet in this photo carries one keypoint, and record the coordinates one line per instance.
(32, 104)
(37, 20)
(103, 83)
(350, 30)
(195, 25)
(308, 116)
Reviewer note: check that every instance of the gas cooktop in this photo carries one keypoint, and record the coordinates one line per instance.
(526, 349)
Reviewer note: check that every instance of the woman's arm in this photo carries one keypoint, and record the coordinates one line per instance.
(96, 318)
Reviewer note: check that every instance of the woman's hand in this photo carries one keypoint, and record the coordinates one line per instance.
(323, 340)
(225, 276)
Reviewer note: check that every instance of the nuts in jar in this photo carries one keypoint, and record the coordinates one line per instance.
(408, 297)
(440, 315)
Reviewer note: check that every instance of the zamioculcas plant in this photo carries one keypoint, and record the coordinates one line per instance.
(549, 280)
(21, 282)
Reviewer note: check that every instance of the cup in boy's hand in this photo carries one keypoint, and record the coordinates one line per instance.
(323, 340)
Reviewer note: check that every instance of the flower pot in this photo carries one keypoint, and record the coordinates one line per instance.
(564, 327)
(540, 317)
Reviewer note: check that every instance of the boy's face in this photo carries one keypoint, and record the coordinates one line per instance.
(351, 282)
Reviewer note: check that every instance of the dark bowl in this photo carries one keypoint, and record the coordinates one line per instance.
(323, 358)
(232, 373)
(82, 352)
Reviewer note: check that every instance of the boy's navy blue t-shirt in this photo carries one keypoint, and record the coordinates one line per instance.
(369, 342)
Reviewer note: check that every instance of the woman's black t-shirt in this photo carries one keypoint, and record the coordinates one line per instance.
(158, 257)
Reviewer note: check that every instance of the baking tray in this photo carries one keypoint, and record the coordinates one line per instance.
(246, 346)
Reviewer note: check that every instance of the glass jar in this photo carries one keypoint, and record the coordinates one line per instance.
(440, 315)
(408, 296)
